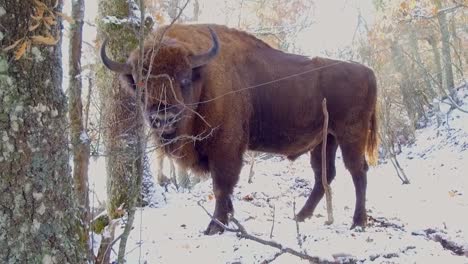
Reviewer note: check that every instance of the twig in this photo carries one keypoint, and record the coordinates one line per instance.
(273, 224)
(298, 234)
(325, 184)
(226, 228)
(241, 232)
(252, 163)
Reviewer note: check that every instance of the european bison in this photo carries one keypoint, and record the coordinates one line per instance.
(213, 92)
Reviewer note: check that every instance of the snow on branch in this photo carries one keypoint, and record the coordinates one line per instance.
(133, 19)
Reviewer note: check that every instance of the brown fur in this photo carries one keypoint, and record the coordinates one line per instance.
(281, 116)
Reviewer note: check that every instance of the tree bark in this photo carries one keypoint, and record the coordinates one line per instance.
(446, 57)
(119, 112)
(413, 41)
(437, 62)
(411, 100)
(124, 129)
(79, 137)
(173, 9)
(196, 10)
(39, 219)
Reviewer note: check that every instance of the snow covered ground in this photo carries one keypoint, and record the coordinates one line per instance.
(413, 223)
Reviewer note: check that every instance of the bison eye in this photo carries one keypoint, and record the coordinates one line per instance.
(185, 83)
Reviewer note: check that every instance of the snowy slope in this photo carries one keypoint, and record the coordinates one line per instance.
(413, 221)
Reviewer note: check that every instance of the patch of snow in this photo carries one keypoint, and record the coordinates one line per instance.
(84, 137)
(401, 215)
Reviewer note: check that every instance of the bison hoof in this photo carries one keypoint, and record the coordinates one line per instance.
(302, 216)
(359, 226)
(213, 229)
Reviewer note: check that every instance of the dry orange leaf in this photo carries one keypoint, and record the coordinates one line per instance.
(210, 197)
(40, 4)
(21, 50)
(12, 46)
(33, 27)
(159, 18)
(68, 18)
(50, 21)
(39, 13)
(37, 18)
(404, 6)
(49, 40)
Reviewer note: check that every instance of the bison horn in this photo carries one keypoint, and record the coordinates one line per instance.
(202, 59)
(113, 65)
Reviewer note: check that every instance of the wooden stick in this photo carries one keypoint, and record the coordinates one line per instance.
(325, 184)
(241, 232)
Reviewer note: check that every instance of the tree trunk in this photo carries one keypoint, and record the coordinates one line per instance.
(119, 112)
(446, 57)
(411, 99)
(457, 49)
(39, 219)
(437, 62)
(124, 129)
(413, 41)
(79, 137)
(196, 10)
(173, 9)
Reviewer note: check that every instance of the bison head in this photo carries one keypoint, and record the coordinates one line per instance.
(172, 74)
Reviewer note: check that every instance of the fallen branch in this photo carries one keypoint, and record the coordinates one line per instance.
(241, 232)
(443, 239)
(325, 184)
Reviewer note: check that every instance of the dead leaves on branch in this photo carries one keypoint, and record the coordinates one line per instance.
(49, 40)
(43, 19)
(21, 50)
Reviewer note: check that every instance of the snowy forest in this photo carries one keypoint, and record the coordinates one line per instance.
(211, 131)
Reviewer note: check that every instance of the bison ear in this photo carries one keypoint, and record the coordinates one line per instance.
(127, 81)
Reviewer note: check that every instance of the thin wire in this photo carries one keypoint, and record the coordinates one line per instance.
(260, 84)
(273, 81)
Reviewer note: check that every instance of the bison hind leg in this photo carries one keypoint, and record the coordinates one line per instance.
(355, 161)
(316, 163)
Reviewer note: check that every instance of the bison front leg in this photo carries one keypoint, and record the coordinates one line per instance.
(225, 174)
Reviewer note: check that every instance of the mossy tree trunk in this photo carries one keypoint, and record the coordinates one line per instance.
(39, 219)
(120, 115)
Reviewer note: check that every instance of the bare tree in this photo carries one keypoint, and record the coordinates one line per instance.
(79, 137)
(446, 56)
(39, 216)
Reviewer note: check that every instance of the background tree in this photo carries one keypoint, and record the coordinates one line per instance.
(79, 136)
(119, 108)
(122, 23)
(39, 217)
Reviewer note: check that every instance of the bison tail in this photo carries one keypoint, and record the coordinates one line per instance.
(372, 144)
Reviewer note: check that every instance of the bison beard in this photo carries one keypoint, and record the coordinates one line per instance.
(244, 94)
